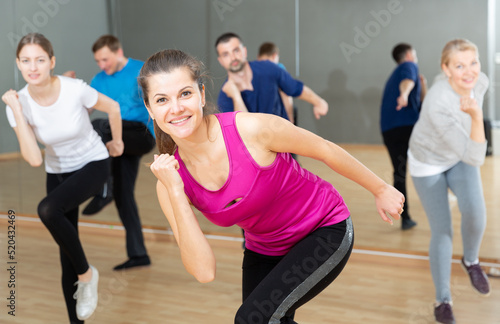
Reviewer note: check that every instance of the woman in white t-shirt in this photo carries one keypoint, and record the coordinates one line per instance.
(53, 110)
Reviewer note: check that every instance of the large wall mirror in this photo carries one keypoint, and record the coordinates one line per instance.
(341, 49)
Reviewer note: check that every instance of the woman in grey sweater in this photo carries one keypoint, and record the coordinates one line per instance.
(447, 147)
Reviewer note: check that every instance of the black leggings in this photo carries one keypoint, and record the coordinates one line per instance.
(397, 142)
(125, 168)
(59, 213)
(275, 286)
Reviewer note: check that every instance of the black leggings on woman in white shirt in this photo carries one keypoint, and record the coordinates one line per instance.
(59, 213)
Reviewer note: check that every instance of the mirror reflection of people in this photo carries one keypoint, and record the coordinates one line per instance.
(236, 169)
(53, 110)
(447, 147)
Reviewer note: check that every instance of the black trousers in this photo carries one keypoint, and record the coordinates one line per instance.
(138, 141)
(397, 142)
(275, 286)
(58, 211)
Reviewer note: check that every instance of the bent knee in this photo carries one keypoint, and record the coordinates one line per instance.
(46, 211)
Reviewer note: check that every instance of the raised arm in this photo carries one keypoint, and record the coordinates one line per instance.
(423, 89)
(320, 106)
(387, 198)
(112, 108)
(30, 150)
(405, 88)
(288, 103)
(197, 255)
(233, 93)
(470, 106)
(449, 132)
(282, 136)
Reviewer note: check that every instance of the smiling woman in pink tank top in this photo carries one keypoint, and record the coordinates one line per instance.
(236, 168)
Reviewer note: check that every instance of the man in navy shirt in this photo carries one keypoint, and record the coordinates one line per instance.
(254, 86)
(403, 94)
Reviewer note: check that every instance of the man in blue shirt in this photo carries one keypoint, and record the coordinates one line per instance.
(269, 51)
(403, 94)
(118, 80)
(254, 86)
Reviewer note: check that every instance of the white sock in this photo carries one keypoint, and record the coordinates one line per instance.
(444, 302)
(467, 263)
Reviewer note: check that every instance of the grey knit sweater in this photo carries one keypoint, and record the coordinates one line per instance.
(441, 135)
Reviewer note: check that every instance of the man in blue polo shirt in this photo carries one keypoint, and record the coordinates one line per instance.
(254, 86)
(118, 80)
(403, 95)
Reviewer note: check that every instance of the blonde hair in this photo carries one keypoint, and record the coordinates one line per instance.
(455, 45)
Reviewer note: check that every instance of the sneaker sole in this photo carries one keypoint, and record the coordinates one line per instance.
(132, 268)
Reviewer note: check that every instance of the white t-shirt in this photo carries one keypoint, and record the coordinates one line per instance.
(421, 169)
(64, 128)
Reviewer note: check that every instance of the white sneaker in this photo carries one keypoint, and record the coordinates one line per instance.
(494, 272)
(86, 296)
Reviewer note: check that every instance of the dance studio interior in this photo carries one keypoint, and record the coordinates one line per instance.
(342, 51)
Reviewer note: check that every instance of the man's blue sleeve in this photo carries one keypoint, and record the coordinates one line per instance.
(409, 70)
(288, 84)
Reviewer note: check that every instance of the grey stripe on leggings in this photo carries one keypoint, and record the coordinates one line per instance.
(316, 276)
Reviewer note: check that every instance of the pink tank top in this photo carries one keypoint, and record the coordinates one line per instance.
(280, 204)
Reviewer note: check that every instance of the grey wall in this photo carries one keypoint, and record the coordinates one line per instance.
(149, 26)
(194, 25)
(8, 140)
(351, 80)
(353, 83)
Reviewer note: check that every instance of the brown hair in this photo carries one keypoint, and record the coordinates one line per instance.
(268, 49)
(37, 39)
(455, 45)
(224, 38)
(166, 61)
(110, 41)
(399, 52)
